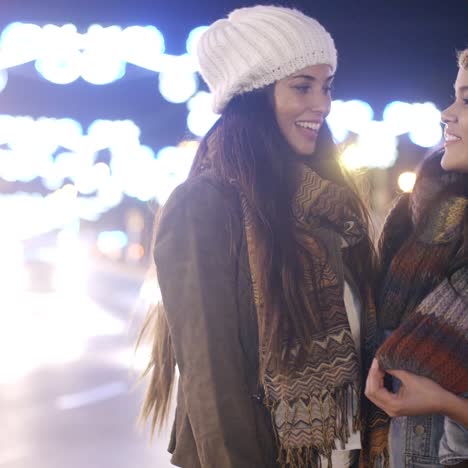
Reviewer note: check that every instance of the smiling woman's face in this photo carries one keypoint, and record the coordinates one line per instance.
(455, 118)
(302, 101)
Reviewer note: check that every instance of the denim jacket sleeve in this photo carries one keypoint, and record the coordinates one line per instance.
(197, 276)
(453, 447)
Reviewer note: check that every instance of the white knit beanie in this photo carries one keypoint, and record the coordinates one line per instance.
(256, 46)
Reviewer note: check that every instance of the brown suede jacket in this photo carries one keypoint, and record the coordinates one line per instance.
(203, 271)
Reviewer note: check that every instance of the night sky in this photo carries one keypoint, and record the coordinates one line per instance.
(388, 50)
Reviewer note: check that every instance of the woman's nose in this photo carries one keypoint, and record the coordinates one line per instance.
(320, 102)
(448, 115)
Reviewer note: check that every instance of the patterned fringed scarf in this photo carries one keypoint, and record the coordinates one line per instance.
(429, 311)
(311, 402)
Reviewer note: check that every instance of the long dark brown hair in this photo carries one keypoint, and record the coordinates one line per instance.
(247, 146)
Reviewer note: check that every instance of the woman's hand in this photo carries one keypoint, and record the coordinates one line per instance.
(417, 395)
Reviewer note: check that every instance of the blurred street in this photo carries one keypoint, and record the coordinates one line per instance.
(68, 375)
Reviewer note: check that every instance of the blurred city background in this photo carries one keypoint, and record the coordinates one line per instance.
(101, 109)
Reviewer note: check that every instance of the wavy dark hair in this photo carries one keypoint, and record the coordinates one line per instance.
(247, 146)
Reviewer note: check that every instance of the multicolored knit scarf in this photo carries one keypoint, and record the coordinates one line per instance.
(420, 298)
(311, 402)
(433, 340)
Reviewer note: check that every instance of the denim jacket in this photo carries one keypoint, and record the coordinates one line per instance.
(414, 441)
(429, 441)
(453, 446)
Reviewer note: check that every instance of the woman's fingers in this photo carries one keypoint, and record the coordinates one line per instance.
(416, 395)
(374, 379)
(376, 391)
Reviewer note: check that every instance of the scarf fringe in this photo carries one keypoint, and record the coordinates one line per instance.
(328, 416)
(375, 450)
(311, 458)
(379, 459)
(305, 457)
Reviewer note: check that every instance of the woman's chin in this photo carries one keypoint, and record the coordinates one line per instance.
(454, 162)
(304, 152)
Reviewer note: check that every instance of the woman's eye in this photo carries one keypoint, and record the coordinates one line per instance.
(302, 89)
(461, 99)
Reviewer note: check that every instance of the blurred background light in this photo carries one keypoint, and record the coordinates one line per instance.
(351, 158)
(72, 261)
(7, 123)
(337, 122)
(68, 133)
(135, 252)
(138, 180)
(426, 129)
(110, 242)
(85, 181)
(3, 79)
(101, 58)
(193, 38)
(172, 167)
(60, 67)
(200, 117)
(57, 149)
(9, 168)
(109, 195)
(378, 145)
(177, 79)
(398, 117)
(12, 271)
(59, 59)
(177, 87)
(142, 46)
(406, 181)
(66, 165)
(356, 115)
(375, 147)
(19, 43)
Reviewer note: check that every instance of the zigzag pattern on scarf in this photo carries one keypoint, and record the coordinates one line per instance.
(316, 263)
(310, 405)
(329, 364)
(321, 418)
(329, 202)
